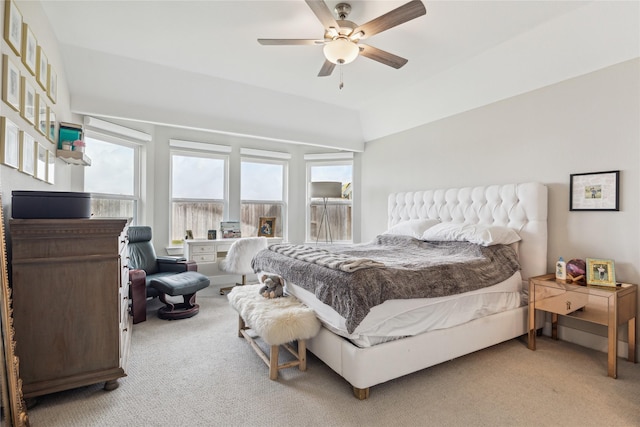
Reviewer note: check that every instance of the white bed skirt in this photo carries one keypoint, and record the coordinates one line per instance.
(366, 367)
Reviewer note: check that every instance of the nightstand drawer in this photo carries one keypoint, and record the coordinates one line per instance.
(564, 303)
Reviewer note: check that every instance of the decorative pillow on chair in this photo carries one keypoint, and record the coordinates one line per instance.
(413, 227)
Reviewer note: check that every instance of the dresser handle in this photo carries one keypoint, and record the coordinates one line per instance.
(568, 305)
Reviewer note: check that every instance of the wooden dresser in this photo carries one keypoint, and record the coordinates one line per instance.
(70, 302)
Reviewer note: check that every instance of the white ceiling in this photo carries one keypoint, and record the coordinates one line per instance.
(203, 53)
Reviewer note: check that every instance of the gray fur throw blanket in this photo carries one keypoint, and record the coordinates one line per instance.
(413, 269)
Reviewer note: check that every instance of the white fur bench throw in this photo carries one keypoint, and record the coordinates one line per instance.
(276, 320)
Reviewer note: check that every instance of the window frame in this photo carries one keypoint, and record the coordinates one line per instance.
(285, 187)
(329, 160)
(213, 154)
(137, 170)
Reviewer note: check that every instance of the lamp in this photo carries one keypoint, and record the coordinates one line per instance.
(325, 190)
(341, 50)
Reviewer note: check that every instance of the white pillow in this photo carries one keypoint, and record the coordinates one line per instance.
(485, 235)
(445, 232)
(413, 227)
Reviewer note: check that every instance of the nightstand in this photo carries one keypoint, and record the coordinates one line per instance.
(608, 306)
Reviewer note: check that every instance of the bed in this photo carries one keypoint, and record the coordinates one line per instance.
(404, 335)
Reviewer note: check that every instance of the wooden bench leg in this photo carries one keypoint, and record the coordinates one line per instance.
(273, 362)
(302, 354)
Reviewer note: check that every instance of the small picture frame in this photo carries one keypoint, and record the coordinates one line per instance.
(42, 115)
(601, 272)
(267, 226)
(51, 133)
(41, 163)
(27, 154)
(52, 87)
(189, 235)
(51, 168)
(595, 191)
(212, 234)
(13, 26)
(29, 49)
(42, 69)
(10, 143)
(28, 104)
(10, 83)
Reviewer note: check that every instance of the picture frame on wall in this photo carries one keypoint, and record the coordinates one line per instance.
(594, 191)
(9, 143)
(52, 87)
(41, 163)
(29, 49)
(51, 123)
(51, 168)
(267, 226)
(42, 69)
(28, 104)
(13, 26)
(601, 272)
(41, 114)
(10, 83)
(27, 154)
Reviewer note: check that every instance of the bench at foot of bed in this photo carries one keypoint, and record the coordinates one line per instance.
(278, 321)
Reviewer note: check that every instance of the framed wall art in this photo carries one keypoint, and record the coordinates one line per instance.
(267, 226)
(29, 49)
(27, 154)
(9, 143)
(42, 68)
(28, 104)
(601, 272)
(41, 163)
(51, 167)
(52, 87)
(51, 133)
(10, 83)
(595, 191)
(43, 116)
(13, 26)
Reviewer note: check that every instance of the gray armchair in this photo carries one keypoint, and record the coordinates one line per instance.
(144, 266)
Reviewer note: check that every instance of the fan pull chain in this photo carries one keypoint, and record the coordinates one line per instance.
(341, 82)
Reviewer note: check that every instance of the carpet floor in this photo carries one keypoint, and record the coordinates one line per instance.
(198, 372)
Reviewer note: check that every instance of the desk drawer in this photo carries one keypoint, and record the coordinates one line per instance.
(204, 257)
(202, 249)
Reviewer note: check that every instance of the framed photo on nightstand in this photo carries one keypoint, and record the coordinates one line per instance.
(601, 272)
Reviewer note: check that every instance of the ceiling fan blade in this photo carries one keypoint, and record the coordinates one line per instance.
(382, 56)
(283, 42)
(327, 68)
(323, 13)
(397, 16)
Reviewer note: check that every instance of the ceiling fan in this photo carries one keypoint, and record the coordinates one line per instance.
(342, 37)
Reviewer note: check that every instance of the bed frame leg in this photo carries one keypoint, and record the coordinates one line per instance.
(361, 393)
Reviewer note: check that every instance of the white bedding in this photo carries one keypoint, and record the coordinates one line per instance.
(400, 318)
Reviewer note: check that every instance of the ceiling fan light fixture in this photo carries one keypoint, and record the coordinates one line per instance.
(341, 51)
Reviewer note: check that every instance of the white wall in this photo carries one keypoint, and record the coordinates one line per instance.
(11, 179)
(586, 124)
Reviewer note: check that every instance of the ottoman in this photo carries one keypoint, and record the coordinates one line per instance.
(185, 284)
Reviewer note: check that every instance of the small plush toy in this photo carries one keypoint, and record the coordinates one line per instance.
(273, 286)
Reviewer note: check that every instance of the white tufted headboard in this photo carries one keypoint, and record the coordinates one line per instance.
(522, 207)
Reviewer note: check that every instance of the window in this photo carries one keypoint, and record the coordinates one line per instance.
(339, 210)
(198, 193)
(262, 194)
(113, 177)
